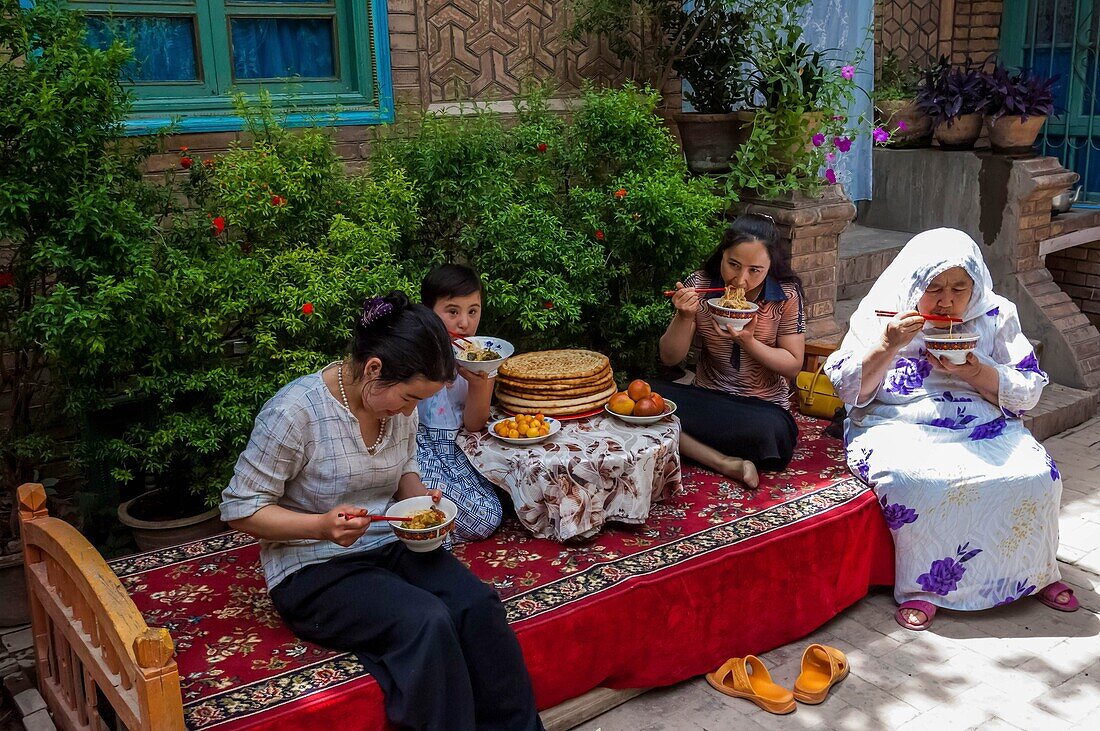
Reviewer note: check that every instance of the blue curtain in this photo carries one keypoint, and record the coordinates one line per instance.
(164, 48)
(266, 48)
(841, 27)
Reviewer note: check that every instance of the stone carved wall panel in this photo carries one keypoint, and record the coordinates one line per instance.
(487, 49)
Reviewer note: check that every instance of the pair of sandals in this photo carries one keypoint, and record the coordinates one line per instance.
(746, 677)
(1048, 596)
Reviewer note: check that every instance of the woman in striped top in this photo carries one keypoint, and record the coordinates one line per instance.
(736, 416)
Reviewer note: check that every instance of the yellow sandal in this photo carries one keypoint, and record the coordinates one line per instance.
(822, 668)
(746, 677)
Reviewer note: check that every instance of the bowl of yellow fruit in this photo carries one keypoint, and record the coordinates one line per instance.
(524, 429)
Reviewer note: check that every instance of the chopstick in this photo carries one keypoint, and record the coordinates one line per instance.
(937, 318)
(670, 292)
(456, 336)
(373, 518)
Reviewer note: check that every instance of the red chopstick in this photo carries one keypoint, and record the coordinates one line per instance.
(456, 336)
(373, 518)
(937, 318)
(670, 292)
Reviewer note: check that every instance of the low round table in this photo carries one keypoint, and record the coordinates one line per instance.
(592, 471)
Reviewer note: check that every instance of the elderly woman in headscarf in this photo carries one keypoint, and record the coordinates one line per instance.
(969, 495)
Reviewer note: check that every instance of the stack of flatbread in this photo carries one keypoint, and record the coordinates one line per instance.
(555, 382)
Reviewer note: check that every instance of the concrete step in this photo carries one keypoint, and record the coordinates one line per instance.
(1060, 408)
(864, 254)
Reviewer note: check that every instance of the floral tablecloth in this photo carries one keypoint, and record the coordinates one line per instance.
(592, 471)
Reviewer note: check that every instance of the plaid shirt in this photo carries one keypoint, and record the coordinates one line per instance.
(306, 454)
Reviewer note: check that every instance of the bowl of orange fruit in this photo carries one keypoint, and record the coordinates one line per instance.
(639, 404)
(524, 429)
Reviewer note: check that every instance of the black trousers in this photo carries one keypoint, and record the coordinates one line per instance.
(434, 636)
(739, 426)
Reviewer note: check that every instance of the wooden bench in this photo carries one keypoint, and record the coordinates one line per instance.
(90, 641)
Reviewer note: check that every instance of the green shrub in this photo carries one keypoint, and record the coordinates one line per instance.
(271, 297)
(79, 226)
(576, 224)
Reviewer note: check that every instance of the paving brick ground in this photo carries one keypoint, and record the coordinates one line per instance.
(1022, 666)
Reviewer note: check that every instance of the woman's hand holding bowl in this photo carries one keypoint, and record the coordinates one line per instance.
(686, 301)
(743, 336)
(344, 524)
(901, 329)
(967, 371)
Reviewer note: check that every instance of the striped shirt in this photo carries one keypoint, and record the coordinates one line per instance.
(306, 454)
(780, 314)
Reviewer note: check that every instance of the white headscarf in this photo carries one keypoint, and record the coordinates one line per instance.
(900, 287)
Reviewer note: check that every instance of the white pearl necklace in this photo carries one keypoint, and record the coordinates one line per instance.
(344, 397)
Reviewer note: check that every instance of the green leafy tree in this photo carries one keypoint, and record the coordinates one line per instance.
(77, 228)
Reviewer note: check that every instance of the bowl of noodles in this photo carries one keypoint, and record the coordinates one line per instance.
(482, 354)
(951, 346)
(732, 308)
(431, 522)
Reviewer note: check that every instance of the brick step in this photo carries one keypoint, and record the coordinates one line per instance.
(1060, 408)
(864, 254)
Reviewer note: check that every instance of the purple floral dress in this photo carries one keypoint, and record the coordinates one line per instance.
(969, 496)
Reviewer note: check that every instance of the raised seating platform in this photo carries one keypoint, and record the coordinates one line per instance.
(717, 571)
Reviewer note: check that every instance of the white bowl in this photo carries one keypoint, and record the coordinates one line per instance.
(427, 539)
(953, 347)
(502, 347)
(555, 427)
(728, 316)
(670, 409)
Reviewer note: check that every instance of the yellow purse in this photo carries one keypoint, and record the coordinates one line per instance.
(816, 396)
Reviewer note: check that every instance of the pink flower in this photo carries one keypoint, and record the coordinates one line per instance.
(880, 135)
(848, 72)
(830, 176)
(842, 143)
(818, 139)
(830, 156)
(902, 126)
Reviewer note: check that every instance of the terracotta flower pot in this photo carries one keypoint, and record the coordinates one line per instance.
(1013, 134)
(709, 140)
(918, 125)
(151, 535)
(785, 152)
(959, 133)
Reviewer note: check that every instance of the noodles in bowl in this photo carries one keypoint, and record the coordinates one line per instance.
(732, 308)
(482, 354)
(952, 346)
(424, 512)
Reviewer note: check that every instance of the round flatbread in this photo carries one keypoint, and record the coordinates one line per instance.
(566, 403)
(554, 365)
(594, 383)
(549, 390)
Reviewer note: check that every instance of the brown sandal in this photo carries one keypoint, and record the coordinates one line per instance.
(822, 668)
(746, 677)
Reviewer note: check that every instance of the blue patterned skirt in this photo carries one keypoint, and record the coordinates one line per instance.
(445, 467)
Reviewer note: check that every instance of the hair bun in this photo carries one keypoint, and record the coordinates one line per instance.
(382, 308)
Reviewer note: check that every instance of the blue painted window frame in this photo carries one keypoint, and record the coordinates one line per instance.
(341, 112)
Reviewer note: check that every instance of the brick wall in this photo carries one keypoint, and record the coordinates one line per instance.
(976, 30)
(1077, 271)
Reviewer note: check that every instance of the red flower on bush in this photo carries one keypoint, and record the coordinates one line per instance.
(185, 148)
(218, 223)
(542, 147)
(620, 193)
(7, 279)
(208, 163)
(186, 162)
(599, 235)
(278, 200)
(548, 304)
(307, 308)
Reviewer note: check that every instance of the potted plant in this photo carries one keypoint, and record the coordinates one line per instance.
(896, 106)
(954, 98)
(712, 68)
(1017, 106)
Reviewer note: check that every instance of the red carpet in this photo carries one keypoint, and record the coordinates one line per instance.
(716, 571)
